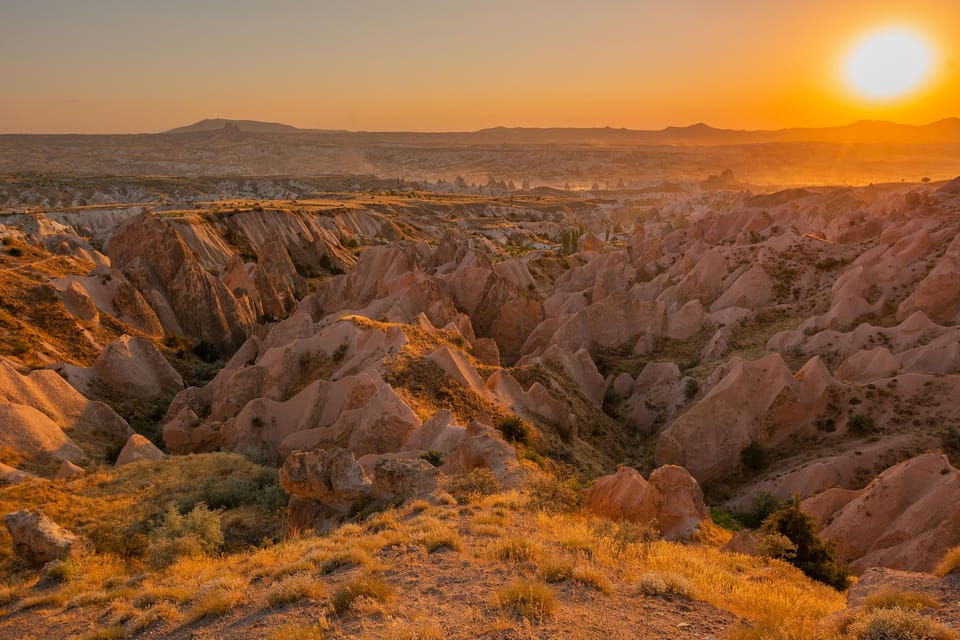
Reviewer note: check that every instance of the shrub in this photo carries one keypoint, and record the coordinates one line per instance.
(623, 535)
(761, 508)
(552, 495)
(860, 425)
(690, 388)
(432, 456)
(196, 533)
(775, 545)
(15, 252)
(665, 583)
(892, 598)
(293, 589)
(514, 429)
(367, 586)
(754, 456)
(950, 563)
(516, 549)
(896, 624)
(340, 352)
(554, 570)
(813, 556)
(478, 483)
(530, 600)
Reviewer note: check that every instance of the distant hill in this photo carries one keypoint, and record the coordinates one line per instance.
(946, 131)
(251, 126)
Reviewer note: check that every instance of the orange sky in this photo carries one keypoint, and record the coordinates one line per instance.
(132, 65)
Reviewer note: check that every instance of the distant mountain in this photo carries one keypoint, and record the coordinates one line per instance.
(946, 131)
(218, 124)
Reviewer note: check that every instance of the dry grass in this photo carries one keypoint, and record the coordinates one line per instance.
(582, 554)
(892, 598)
(530, 600)
(366, 586)
(950, 563)
(294, 589)
(293, 631)
(665, 583)
(895, 624)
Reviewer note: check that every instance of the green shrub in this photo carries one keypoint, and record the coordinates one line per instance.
(761, 508)
(860, 425)
(15, 252)
(754, 456)
(813, 556)
(776, 545)
(432, 456)
(514, 429)
(183, 535)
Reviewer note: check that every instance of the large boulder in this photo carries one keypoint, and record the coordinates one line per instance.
(38, 539)
(138, 449)
(671, 499)
(331, 476)
(404, 479)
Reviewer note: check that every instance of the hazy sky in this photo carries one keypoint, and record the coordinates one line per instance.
(150, 65)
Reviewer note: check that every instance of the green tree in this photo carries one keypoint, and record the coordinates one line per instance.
(813, 556)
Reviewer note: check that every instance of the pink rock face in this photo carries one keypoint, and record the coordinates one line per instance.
(138, 449)
(671, 499)
(69, 470)
(134, 367)
(907, 518)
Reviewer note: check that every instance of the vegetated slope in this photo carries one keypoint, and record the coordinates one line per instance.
(440, 571)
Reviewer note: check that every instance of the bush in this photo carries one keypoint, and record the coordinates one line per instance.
(896, 624)
(15, 252)
(754, 456)
(293, 589)
(763, 505)
(552, 495)
(892, 599)
(860, 425)
(665, 583)
(775, 545)
(950, 563)
(514, 429)
(690, 388)
(529, 599)
(196, 533)
(516, 549)
(365, 586)
(433, 456)
(813, 556)
(479, 482)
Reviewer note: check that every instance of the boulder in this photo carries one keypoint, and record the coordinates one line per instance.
(138, 449)
(69, 470)
(331, 476)
(742, 542)
(404, 479)
(12, 475)
(671, 499)
(38, 539)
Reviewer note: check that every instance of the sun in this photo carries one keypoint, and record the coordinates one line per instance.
(887, 64)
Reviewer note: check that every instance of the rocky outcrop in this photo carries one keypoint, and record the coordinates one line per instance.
(37, 539)
(756, 401)
(188, 299)
(906, 518)
(671, 500)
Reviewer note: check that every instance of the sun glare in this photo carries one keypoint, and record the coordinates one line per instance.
(888, 64)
